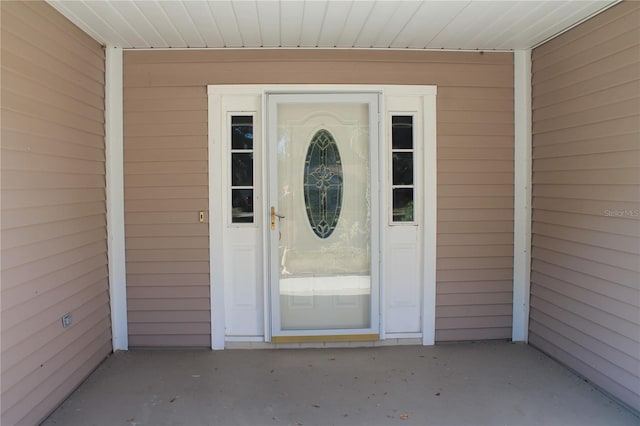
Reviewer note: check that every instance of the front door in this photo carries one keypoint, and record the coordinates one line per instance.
(322, 216)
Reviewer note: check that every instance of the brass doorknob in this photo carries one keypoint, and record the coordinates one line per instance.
(273, 218)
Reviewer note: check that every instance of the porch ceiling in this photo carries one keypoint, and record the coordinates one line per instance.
(413, 24)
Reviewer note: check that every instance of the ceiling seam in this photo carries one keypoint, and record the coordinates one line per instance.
(279, 23)
(364, 24)
(304, 7)
(153, 27)
(324, 17)
(126, 21)
(511, 6)
(388, 20)
(515, 23)
(79, 22)
(413, 16)
(215, 21)
(448, 23)
(106, 24)
(344, 24)
(539, 33)
(195, 27)
(164, 12)
(559, 33)
(255, 4)
(235, 19)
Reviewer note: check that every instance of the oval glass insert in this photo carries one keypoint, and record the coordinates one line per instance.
(323, 183)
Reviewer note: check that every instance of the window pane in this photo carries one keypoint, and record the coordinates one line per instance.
(403, 205)
(403, 168)
(242, 205)
(242, 169)
(241, 132)
(402, 132)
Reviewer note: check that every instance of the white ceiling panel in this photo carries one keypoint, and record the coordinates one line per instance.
(429, 21)
(413, 24)
(202, 18)
(291, 16)
(84, 16)
(246, 15)
(470, 22)
(156, 15)
(358, 14)
(269, 20)
(397, 23)
(334, 22)
(225, 19)
(312, 19)
(115, 17)
(133, 17)
(378, 19)
(181, 21)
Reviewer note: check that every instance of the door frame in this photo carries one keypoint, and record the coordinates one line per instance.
(372, 99)
(427, 94)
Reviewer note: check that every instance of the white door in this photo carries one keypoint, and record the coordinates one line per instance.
(323, 215)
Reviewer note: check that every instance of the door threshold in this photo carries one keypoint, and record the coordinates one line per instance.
(326, 338)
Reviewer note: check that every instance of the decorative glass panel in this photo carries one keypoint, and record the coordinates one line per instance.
(402, 132)
(403, 205)
(403, 168)
(241, 132)
(323, 184)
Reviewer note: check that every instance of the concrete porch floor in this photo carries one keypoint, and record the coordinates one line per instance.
(462, 384)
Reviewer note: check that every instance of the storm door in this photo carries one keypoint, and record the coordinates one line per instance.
(323, 216)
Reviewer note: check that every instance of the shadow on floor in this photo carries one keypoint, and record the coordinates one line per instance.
(463, 384)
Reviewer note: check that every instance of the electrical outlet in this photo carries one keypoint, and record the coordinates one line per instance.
(66, 320)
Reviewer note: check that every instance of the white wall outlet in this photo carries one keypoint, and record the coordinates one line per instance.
(66, 320)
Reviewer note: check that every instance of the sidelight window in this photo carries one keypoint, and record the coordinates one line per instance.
(402, 169)
(242, 168)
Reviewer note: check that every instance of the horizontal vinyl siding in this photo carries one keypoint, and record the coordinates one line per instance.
(165, 95)
(585, 272)
(166, 184)
(54, 257)
(475, 212)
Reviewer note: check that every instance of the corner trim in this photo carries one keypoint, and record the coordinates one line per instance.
(522, 195)
(430, 209)
(216, 248)
(114, 169)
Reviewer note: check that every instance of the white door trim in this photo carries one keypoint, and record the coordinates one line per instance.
(429, 209)
(114, 168)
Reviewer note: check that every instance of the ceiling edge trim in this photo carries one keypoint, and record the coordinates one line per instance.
(366, 49)
(570, 27)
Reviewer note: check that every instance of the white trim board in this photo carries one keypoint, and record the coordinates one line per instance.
(216, 269)
(522, 195)
(430, 209)
(114, 152)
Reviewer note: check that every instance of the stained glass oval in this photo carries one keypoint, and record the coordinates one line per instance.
(323, 183)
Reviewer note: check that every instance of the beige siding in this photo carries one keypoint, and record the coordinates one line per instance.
(54, 257)
(585, 278)
(166, 185)
(166, 179)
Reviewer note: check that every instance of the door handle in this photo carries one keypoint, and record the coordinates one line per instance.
(273, 218)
